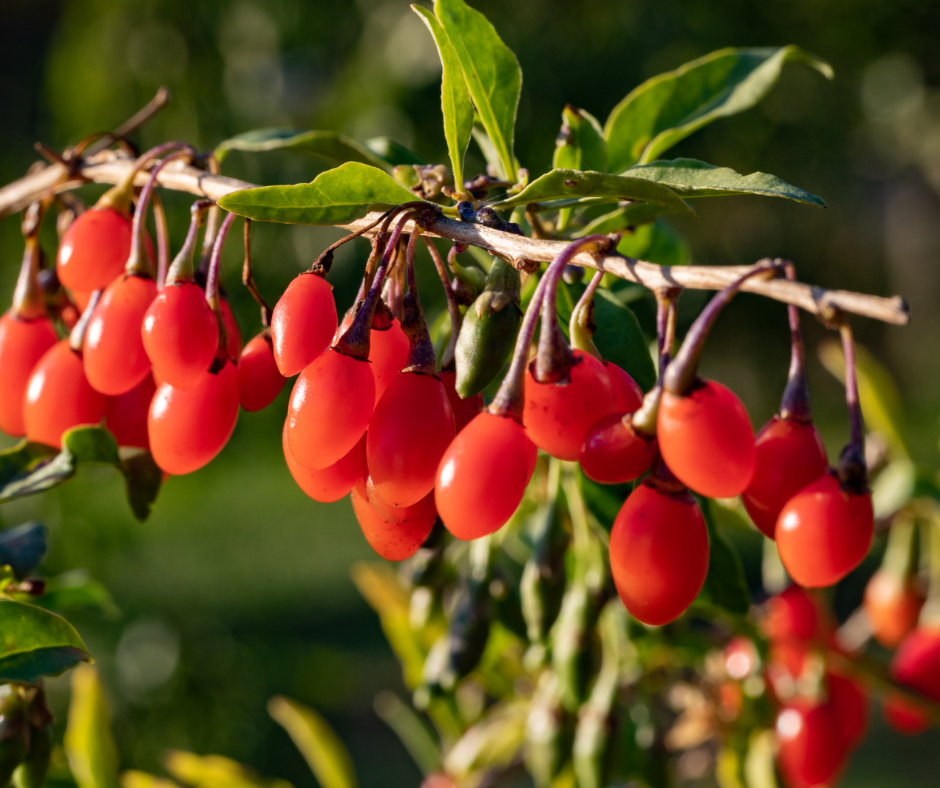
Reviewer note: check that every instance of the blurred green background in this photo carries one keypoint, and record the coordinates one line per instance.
(238, 587)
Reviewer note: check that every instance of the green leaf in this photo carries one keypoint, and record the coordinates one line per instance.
(329, 145)
(455, 96)
(391, 152)
(89, 743)
(144, 478)
(630, 214)
(214, 771)
(22, 548)
(410, 729)
(492, 74)
(136, 779)
(620, 339)
(658, 243)
(562, 184)
(77, 590)
(693, 178)
(725, 584)
(321, 747)
(337, 196)
(668, 108)
(36, 643)
(580, 144)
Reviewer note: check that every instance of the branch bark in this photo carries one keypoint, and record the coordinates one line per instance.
(111, 167)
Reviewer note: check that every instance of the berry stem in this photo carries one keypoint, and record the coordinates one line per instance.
(681, 375)
(119, 197)
(853, 472)
(795, 405)
(421, 359)
(248, 278)
(667, 303)
(213, 296)
(453, 309)
(163, 240)
(212, 227)
(77, 335)
(29, 300)
(321, 266)
(582, 327)
(182, 268)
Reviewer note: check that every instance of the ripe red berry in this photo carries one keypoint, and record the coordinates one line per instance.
(59, 396)
(658, 553)
(465, 410)
(22, 344)
(233, 334)
(126, 414)
(483, 475)
(412, 426)
(394, 540)
(812, 747)
(613, 452)
(332, 483)
(113, 351)
(189, 427)
(388, 354)
(916, 664)
(180, 334)
(789, 455)
(850, 701)
(706, 440)
(892, 604)
(627, 391)
(303, 323)
(794, 614)
(330, 408)
(94, 249)
(558, 415)
(259, 380)
(824, 532)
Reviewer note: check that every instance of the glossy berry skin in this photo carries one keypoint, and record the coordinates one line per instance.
(189, 427)
(303, 323)
(59, 396)
(114, 354)
(329, 409)
(259, 379)
(789, 455)
(707, 440)
(627, 391)
(465, 410)
(126, 414)
(812, 748)
(180, 334)
(94, 249)
(658, 554)
(22, 344)
(410, 429)
(892, 604)
(483, 475)
(394, 540)
(916, 664)
(557, 416)
(387, 511)
(613, 452)
(388, 354)
(233, 334)
(824, 532)
(332, 483)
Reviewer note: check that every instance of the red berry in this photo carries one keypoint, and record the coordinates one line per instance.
(330, 408)
(233, 334)
(332, 483)
(189, 427)
(824, 532)
(916, 664)
(794, 614)
(706, 440)
(115, 359)
(387, 511)
(388, 354)
(59, 396)
(483, 475)
(303, 323)
(410, 429)
(789, 455)
(613, 452)
(892, 604)
(658, 554)
(394, 540)
(181, 334)
(812, 746)
(94, 249)
(627, 391)
(465, 410)
(259, 380)
(126, 414)
(558, 415)
(22, 344)
(850, 701)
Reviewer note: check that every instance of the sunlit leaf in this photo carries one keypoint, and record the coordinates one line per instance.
(135, 779)
(36, 643)
(329, 145)
(214, 771)
(323, 750)
(580, 144)
(492, 743)
(668, 108)
(410, 729)
(337, 196)
(89, 742)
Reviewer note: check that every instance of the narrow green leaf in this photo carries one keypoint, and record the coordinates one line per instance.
(580, 144)
(693, 178)
(22, 548)
(620, 339)
(321, 747)
(337, 196)
(455, 96)
(89, 743)
(668, 108)
(329, 145)
(215, 771)
(562, 184)
(36, 643)
(629, 214)
(136, 779)
(410, 729)
(658, 243)
(725, 584)
(492, 73)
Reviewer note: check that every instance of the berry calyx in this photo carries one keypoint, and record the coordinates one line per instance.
(399, 539)
(333, 482)
(303, 322)
(259, 379)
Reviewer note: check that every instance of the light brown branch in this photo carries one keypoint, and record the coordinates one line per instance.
(110, 167)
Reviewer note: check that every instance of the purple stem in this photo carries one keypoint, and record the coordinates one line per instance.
(794, 405)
